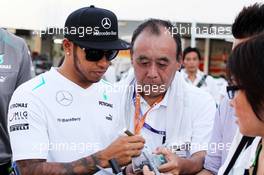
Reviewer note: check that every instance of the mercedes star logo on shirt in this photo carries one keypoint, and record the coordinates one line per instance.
(106, 23)
(64, 98)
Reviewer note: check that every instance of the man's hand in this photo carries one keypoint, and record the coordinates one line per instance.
(123, 149)
(173, 165)
(178, 165)
(129, 170)
(146, 171)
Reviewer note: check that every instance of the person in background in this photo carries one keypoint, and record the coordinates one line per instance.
(192, 74)
(15, 69)
(110, 74)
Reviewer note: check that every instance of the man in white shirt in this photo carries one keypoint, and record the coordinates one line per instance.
(160, 105)
(63, 121)
(192, 74)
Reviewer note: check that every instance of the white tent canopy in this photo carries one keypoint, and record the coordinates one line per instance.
(41, 14)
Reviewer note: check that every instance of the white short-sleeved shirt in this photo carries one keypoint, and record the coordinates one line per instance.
(52, 118)
(196, 123)
(210, 85)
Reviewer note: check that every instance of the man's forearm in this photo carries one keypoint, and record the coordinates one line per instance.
(194, 164)
(205, 172)
(82, 166)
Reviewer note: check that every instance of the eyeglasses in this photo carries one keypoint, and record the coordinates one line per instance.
(96, 54)
(231, 91)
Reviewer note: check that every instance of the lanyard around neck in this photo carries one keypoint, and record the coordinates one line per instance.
(139, 121)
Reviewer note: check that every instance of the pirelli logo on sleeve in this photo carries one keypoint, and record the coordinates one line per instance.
(19, 127)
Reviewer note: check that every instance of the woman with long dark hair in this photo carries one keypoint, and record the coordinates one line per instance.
(246, 91)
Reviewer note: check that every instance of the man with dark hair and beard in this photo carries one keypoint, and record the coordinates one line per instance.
(60, 120)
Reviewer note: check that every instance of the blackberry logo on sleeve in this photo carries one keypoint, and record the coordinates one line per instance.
(64, 98)
(19, 127)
